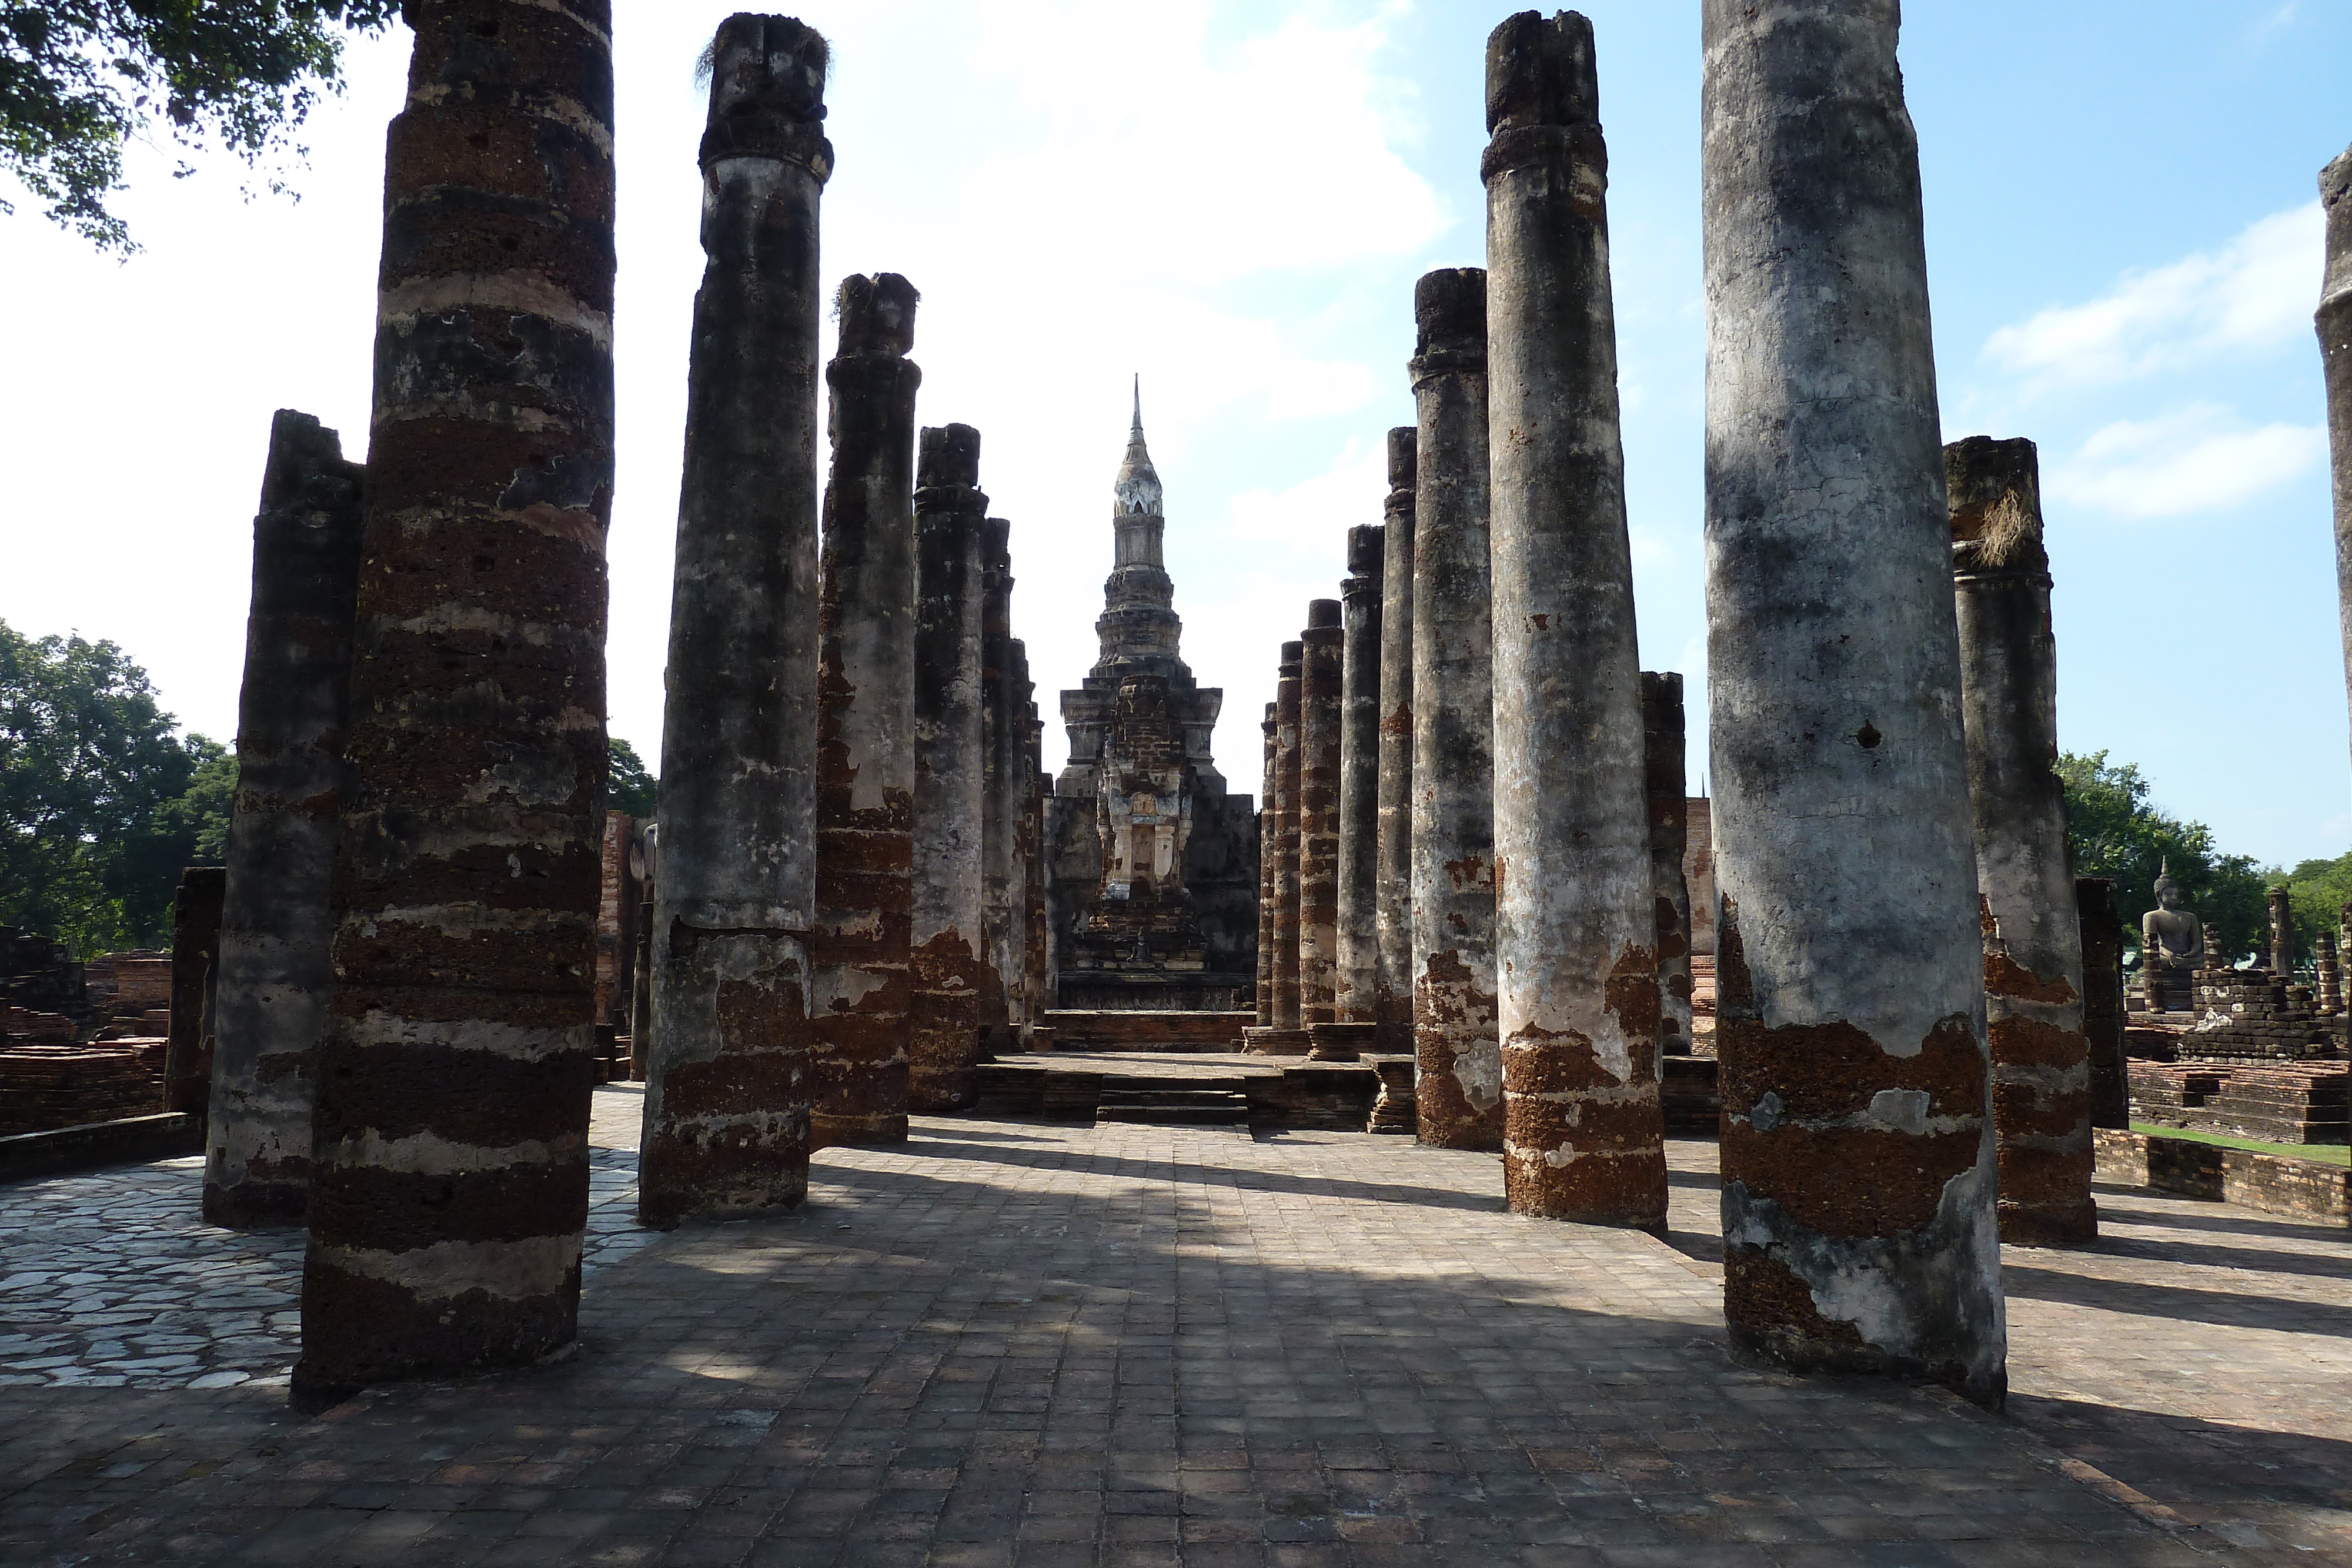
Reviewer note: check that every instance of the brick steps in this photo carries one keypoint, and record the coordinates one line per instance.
(2278, 1104)
(1201, 1106)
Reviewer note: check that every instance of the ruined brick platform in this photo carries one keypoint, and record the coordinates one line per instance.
(2271, 1103)
(1013, 1343)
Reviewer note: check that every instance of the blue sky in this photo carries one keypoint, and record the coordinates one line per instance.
(1234, 199)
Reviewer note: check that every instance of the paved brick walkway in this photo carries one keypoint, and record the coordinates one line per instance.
(1015, 1343)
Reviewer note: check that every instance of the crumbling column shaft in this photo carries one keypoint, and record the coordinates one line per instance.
(449, 1176)
(1000, 772)
(2034, 976)
(1321, 694)
(2102, 1001)
(1359, 780)
(270, 1011)
(1288, 773)
(2281, 943)
(1857, 1156)
(865, 727)
(2334, 323)
(1459, 1098)
(1269, 831)
(1575, 922)
(1665, 750)
(1392, 892)
(195, 961)
(947, 967)
(727, 1094)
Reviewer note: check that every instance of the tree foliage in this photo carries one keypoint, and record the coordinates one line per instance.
(80, 78)
(627, 786)
(102, 803)
(2117, 833)
(2318, 890)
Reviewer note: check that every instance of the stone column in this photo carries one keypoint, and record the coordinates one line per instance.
(450, 1158)
(2033, 976)
(2334, 322)
(2103, 999)
(1359, 779)
(1857, 1154)
(947, 972)
(1575, 922)
(727, 1090)
(1392, 890)
(1268, 833)
(270, 1003)
(1320, 691)
(865, 722)
(1665, 775)
(1460, 1094)
(1287, 779)
(196, 971)
(2327, 987)
(1029, 861)
(997, 735)
(2281, 944)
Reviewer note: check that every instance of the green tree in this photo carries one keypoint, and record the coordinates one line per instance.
(2319, 890)
(79, 79)
(627, 786)
(102, 803)
(2117, 833)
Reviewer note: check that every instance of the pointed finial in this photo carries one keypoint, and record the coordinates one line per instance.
(1136, 427)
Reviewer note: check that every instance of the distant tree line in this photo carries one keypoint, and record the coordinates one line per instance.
(103, 803)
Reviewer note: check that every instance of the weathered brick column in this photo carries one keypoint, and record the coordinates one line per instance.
(1393, 891)
(196, 972)
(999, 739)
(1857, 1155)
(2334, 323)
(865, 725)
(1289, 778)
(1667, 782)
(2025, 874)
(1024, 804)
(1460, 1094)
(727, 1089)
(1323, 647)
(449, 1176)
(1575, 922)
(1359, 779)
(2281, 942)
(2103, 999)
(270, 1011)
(1268, 831)
(946, 970)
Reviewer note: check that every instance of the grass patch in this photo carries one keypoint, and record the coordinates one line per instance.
(2324, 1153)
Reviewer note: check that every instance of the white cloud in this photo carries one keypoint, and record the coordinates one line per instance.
(2190, 460)
(2251, 295)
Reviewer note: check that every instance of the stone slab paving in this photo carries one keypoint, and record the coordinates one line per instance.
(1022, 1343)
(2199, 1354)
(112, 1280)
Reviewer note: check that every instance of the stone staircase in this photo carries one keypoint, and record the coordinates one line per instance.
(1173, 1101)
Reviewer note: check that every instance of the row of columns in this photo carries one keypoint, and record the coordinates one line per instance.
(847, 896)
(1906, 1073)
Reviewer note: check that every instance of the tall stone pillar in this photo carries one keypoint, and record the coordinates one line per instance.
(727, 1089)
(1030, 865)
(2102, 1001)
(1666, 773)
(998, 773)
(449, 1157)
(2282, 944)
(1392, 889)
(641, 994)
(270, 1003)
(1288, 778)
(947, 967)
(1269, 831)
(1320, 693)
(1576, 925)
(2327, 983)
(195, 975)
(866, 724)
(2334, 322)
(1459, 1097)
(1359, 779)
(2033, 965)
(1857, 1155)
